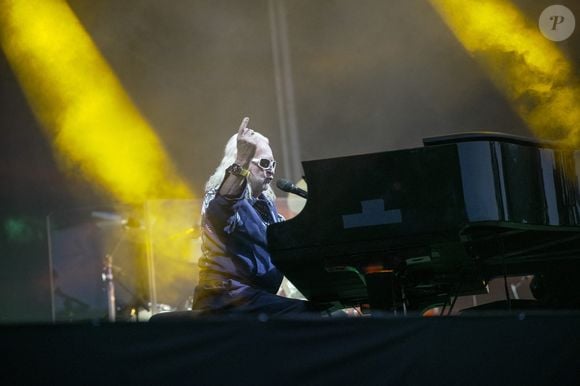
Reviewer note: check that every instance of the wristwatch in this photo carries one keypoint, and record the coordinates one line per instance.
(237, 170)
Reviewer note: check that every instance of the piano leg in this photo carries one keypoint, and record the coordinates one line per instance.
(385, 294)
(556, 286)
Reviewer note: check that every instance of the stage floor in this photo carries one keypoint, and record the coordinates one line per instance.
(516, 349)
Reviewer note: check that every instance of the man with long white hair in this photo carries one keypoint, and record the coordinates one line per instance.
(237, 275)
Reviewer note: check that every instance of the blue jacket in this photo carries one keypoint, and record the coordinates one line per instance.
(234, 242)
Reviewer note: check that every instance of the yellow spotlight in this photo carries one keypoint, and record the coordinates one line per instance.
(529, 69)
(94, 126)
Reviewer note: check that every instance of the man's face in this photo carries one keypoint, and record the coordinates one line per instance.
(260, 177)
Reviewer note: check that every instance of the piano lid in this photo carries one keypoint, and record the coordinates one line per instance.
(492, 136)
(433, 189)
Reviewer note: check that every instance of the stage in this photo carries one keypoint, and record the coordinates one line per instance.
(510, 349)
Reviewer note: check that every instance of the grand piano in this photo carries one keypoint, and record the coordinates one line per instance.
(414, 228)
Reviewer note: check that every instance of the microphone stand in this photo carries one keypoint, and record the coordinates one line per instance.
(107, 277)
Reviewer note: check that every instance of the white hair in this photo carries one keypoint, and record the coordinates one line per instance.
(216, 179)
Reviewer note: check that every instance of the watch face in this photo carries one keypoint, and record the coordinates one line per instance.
(237, 170)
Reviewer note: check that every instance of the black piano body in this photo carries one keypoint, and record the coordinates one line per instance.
(437, 221)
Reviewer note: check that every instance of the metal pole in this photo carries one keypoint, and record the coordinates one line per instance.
(108, 278)
(50, 268)
(284, 90)
(150, 259)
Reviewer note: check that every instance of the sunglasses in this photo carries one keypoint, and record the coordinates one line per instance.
(265, 163)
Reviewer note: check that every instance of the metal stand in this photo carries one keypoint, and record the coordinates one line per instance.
(50, 268)
(109, 280)
(107, 277)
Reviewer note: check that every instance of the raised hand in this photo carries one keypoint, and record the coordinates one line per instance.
(247, 142)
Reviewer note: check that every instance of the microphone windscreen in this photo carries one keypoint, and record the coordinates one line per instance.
(284, 185)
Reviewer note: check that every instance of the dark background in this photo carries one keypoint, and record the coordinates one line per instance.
(368, 76)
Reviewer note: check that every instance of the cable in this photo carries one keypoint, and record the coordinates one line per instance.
(456, 292)
(504, 266)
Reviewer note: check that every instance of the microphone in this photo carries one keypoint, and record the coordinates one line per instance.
(289, 187)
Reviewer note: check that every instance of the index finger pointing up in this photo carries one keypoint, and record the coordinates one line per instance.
(243, 125)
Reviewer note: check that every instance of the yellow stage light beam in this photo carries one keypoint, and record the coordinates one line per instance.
(92, 124)
(531, 71)
(94, 127)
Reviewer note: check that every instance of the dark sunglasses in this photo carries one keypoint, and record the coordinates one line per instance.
(265, 163)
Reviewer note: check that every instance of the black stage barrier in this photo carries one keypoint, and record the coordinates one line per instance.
(515, 349)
